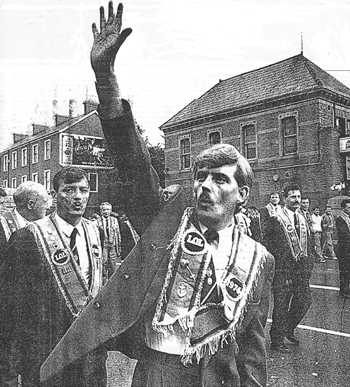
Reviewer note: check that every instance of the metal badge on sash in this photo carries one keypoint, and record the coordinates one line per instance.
(193, 242)
(290, 228)
(60, 257)
(95, 250)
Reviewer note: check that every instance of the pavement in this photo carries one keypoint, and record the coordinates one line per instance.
(321, 359)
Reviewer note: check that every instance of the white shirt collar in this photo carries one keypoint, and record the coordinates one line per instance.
(223, 233)
(66, 227)
(22, 221)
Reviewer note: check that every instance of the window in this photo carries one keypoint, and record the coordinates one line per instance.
(185, 153)
(35, 177)
(340, 124)
(47, 179)
(24, 157)
(214, 138)
(347, 132)
(47, 149)
(5, 184)
(35, 153)
(14, 182)
(289, 135)
(93, 181)
(14, 160)
(249, 141)
(24, 178)
(5, 163)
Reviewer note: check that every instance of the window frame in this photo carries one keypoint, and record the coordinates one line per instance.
(35, 160)
(35, 177)
(281, 118)
(245, 143)
(183, 156)
(24, 151)
(93, 173)
(14, 159)
(47, 152)
(212, 132)
(5, 163)
(45, 180)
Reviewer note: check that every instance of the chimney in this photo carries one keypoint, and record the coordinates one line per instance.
(17, 137)
(39, 128)
(72, 108)
(89, 106)
(60, 119)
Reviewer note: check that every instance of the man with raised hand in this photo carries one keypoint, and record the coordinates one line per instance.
(54, 268)
(190, 301)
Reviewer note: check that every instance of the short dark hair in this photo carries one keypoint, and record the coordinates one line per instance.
(225, 154)
(274, 193)
(344, 202)
(290, 187)
(68, 175)
(3, 192)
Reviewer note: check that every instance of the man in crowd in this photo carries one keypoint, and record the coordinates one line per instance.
(3, 195)
(327, 224)
(31, 200)
(53, 268)
(343, 247)
(184, 291)
(288, 239)
(317, 234)
(272, 208)
(117, 237)
(304, 210)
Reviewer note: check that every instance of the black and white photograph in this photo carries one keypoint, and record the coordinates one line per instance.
(174, 193)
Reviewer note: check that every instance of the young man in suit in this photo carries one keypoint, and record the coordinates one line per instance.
(190, 301)
(53, 269)
(288, 239)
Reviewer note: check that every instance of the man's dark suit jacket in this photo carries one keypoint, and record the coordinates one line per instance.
(115, 317)
(286, 268)
(38, 316)
(343, 246)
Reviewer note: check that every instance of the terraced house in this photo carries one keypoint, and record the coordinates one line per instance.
(290, 119)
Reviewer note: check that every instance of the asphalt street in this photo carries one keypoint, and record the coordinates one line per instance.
(321, 359)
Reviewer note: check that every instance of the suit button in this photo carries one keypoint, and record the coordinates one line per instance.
(97, 305)
(126, 276)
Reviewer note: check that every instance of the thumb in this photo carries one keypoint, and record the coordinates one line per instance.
(123, 35)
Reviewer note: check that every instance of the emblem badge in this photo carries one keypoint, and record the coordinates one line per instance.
(95, 250)
(234, 287)
(193, 242)
(289, 228)
(181, 290)
(60, 257)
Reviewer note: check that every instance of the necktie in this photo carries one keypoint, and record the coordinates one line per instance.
(211, 236)
(296, 223)
(107, 229)
(73, 245)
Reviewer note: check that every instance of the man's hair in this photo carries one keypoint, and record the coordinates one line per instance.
(305, 198)
(274, 193)
(3, 192)
(344, 202)
(68, 175)
(106, 204)
(225, 154)
(26, 191)
(290, 187)
(316, 208)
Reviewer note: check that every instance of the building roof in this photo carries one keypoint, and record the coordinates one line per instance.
(293, 75)
(49, 131)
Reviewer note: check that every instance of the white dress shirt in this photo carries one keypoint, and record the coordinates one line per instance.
(81, 243)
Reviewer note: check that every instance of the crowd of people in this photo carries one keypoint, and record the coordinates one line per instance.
(184, 290)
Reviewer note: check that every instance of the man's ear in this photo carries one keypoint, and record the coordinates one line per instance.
(244, 193)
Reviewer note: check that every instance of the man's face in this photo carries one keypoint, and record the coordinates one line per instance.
(305, 204)
(274, 199)
(216, 195)
(346, 209)
(40, 206)
(293, 200)
(72, 198)
(317, 211)
(106, 211)
(328, 210)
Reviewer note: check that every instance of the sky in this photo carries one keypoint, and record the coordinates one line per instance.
(177, 51)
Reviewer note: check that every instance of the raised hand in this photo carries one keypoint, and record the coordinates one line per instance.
(108, 41)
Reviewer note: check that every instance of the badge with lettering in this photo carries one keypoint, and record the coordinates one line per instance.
(181, 290)
(60, 257)
(234, 287)
(193, 242)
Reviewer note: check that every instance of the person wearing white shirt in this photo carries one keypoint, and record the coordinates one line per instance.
(317, 234)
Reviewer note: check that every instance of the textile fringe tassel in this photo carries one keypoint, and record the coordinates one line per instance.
(165, 329)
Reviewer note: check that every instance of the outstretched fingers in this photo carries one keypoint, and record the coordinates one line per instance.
(110, 12)
(102, 19)
(94, 30)
(118, 17)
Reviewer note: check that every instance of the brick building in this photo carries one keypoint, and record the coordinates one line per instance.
(75, 141)
(287, 118)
